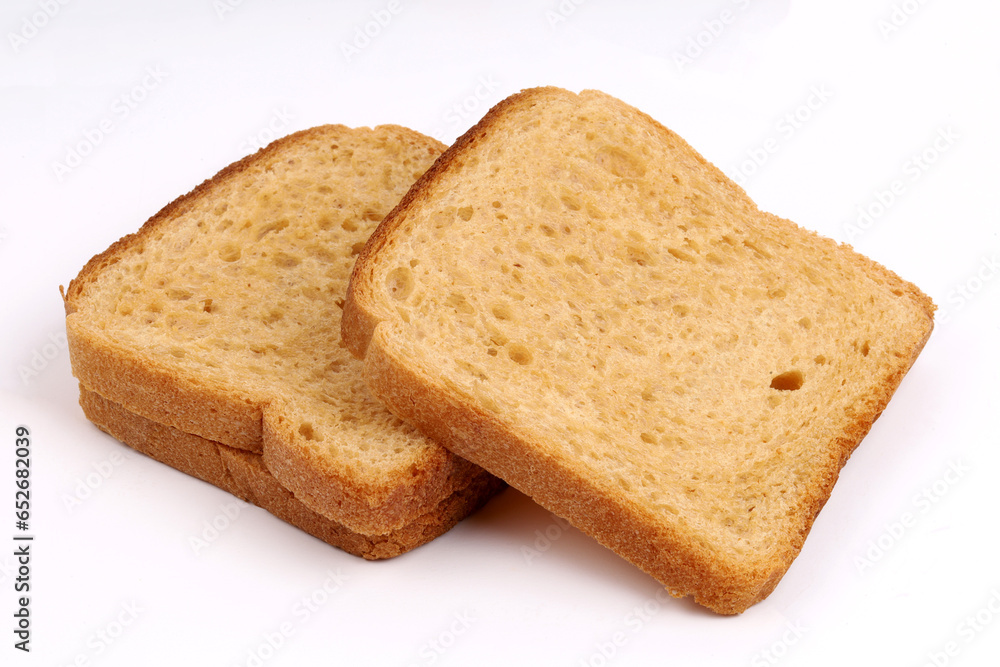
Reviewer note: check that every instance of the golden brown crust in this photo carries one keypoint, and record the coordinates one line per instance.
(188, 453)
(243, 474)
(233, 415)
(318, 486)
(675, 559)
(128, 377)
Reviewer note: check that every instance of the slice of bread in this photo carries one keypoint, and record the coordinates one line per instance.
(576, 300)
(243, 474)
(221, 317)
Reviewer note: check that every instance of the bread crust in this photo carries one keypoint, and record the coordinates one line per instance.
(244, 475)
(674, 558)
(234, 415)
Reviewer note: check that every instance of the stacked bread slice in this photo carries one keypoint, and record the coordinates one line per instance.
(570, 297)
(209, 341)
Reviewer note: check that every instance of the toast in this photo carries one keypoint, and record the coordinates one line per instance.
(242, 474)
(220, 317)
(576, 300)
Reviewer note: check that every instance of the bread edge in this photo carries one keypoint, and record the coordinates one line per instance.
(226, 416)
(243, 474)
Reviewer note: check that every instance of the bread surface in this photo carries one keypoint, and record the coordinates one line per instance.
(221, 318)
(243, 474)
(576, 300)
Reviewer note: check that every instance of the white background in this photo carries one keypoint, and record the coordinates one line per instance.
(820, 110)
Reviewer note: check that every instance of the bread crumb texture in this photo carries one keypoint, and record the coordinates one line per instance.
(576, 272)
(241, 288)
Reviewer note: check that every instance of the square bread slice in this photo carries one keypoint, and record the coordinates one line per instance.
(576, 300)
(221, 318)
(243, 474)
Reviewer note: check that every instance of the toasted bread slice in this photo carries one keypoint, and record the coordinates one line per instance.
(221, 317)
(576, 300)
(243, 474)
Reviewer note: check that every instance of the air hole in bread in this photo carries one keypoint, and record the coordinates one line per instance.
(571, 202)
(285, 261)
(307, 431)
(865, 349)
(681, 310)
(465, 213)
(460, 303)
(681, 255)
(519, 354)
(814, 276)
(648, 438)
(805, 323)
(349, 225)
(489, 404)
(595, 212)
(275, 226)
(498, 339)
(787, 381)
(638, 255)
(399, 283)
(230, 252)
(619, 163)
(502, 311)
